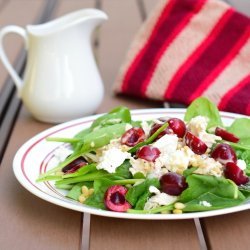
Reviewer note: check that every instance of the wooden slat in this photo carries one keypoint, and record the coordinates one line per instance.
(109, 234)
(228, 232)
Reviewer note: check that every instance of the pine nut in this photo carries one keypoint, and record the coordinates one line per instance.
(179, 205)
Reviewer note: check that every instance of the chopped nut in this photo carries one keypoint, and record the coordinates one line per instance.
(82, 198)
(85, 191)
(179, 205)
(177, 211)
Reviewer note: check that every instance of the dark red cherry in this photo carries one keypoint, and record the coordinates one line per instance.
(148, 153)
(133, 136)
(175, 126)
(173, 184)
(225, 135)
(114, 199)
(224, 153)
(178, 126)
(74, 165)
(197, 145)
(234, 173)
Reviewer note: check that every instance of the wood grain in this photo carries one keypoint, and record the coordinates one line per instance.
(112, 234)
(228, 232)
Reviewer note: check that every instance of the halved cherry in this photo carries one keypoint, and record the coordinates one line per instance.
(175, 126)
(224, 153)
(196, 144)
(74, 165)
(133, 136)
(114, 199)
(173, 184)
(225, 135)
(148, 153)
(178, 126)
(234, 173)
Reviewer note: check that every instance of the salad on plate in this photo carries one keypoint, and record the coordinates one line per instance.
(163, 165)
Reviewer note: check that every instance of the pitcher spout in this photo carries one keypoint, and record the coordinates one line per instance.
(92, 18)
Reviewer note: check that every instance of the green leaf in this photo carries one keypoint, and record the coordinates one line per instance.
(204, 107)
(123, 170)
(142, 200)
(201, 185)
(241, 128)
(245, 189)
(189, 171)
(136, 191)
(99, 138)
(214, 201)
(117, 115)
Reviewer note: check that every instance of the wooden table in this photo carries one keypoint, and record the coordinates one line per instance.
(27, 222)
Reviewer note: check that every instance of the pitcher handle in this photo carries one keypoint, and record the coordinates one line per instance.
(4, 31)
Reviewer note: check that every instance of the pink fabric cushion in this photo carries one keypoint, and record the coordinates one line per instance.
(190, 48)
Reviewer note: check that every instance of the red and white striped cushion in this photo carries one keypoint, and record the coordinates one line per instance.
(191, 48)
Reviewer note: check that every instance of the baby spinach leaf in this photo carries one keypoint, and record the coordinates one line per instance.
(189, 171)
(202, 184)
(117, 115)
(241, 128)
(123, 170)
(142, 200)
(204, 107)
(102, 136)
(245, 189)
(136, 191)
(209, 201)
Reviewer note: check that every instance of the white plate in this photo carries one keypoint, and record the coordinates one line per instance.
(33, 158)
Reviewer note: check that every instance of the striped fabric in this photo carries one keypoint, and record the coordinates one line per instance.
(191, 48)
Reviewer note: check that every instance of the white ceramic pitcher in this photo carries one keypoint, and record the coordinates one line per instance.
(61, 80)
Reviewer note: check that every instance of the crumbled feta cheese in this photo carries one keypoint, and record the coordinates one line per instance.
(241, 164)
(167, 144)
(209, 139)
(177, 162)
(141, 166)
(159, 199)
(198, 126)
(206, 166)
(146, 127)
(111, 159)
(154, 190)
(205, 203)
